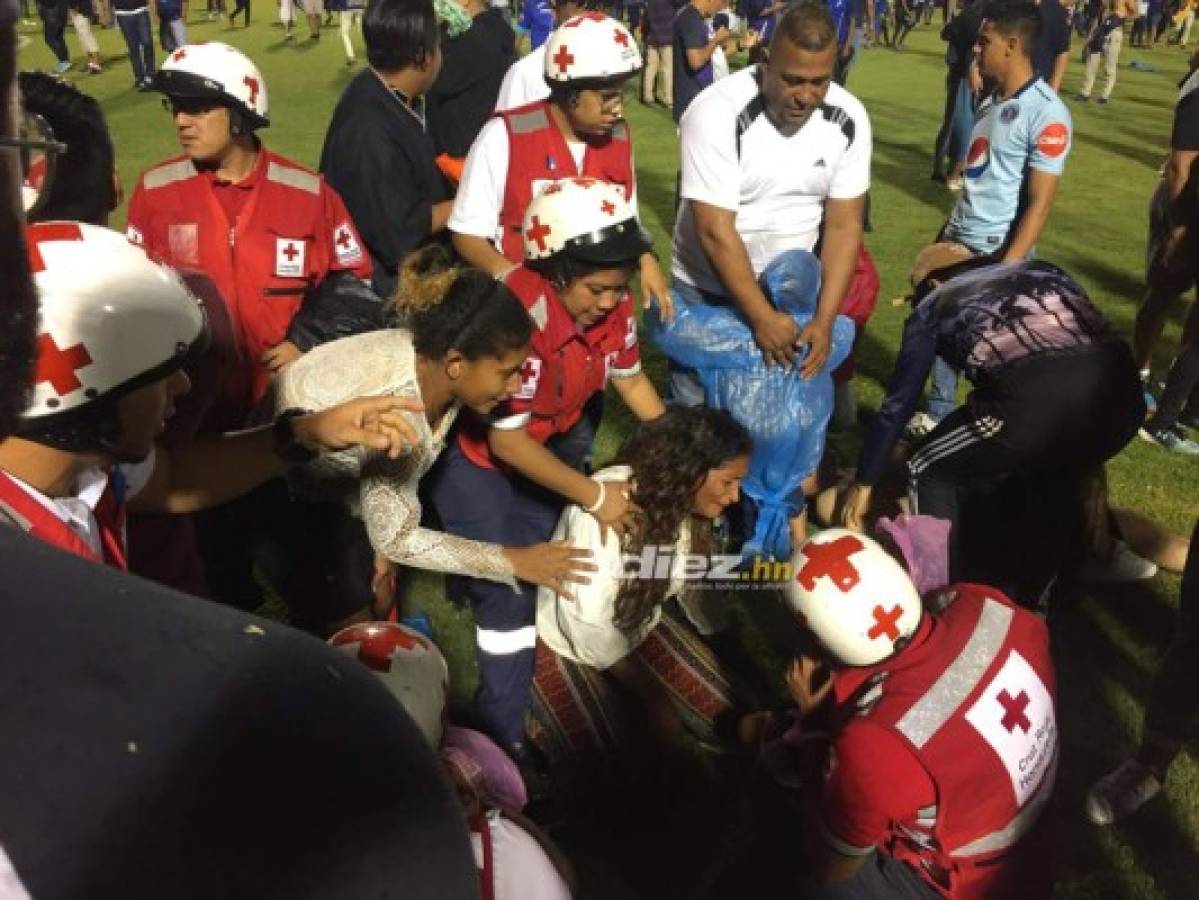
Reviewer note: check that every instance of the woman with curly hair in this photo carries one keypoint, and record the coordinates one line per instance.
(641, 624)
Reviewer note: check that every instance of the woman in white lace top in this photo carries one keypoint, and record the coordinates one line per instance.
(465, 341)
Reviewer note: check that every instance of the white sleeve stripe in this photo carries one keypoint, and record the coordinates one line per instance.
(506, 643)
(841, 846)
(634, 369)
(512, 423)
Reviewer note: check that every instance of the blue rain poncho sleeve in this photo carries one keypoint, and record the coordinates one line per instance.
(786, 416)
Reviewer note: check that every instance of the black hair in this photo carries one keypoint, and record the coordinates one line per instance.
(466, 310)
(671, 457)
(18, 299)
(562, 268)
(566, 94)
(399, 33)
(1018, 18)
(82, 189)
(808, 25)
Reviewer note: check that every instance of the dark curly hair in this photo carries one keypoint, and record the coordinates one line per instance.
(447, 308)
(670, 458)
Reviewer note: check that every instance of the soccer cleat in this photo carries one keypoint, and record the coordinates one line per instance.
(1120, 566)
(1171, 438)
(1121, 792)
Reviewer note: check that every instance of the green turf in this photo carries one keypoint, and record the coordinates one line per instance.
(1108, 644)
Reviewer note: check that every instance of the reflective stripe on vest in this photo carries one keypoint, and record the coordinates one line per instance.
(296, 178)
(180, 170)
(1020, 825)
(948, 692)
(528, 122)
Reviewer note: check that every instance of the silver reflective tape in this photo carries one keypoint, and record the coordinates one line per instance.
(1021, 823)
(297, 178)
(528, 122)
(948, 692)
(171, 172)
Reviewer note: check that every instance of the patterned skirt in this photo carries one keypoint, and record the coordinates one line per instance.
(578, 710)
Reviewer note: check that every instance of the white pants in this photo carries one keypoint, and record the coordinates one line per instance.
(83, 28)
(287, 13)
(1111, 61)
(349, 19)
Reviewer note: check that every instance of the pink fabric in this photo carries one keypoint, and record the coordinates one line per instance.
(475, 760)
(924, 543)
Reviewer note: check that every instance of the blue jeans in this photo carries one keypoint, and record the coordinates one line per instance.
(943, 390)
(136, 29)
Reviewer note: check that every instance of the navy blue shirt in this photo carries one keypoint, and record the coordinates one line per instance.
(981, 323)
(690, 33)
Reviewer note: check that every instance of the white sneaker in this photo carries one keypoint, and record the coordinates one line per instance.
(919, 425)
(1121, 566)
(1121, 792)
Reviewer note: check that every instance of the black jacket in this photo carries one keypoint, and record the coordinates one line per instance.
(379, 158)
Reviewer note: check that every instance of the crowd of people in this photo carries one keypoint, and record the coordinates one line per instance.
(292, 385)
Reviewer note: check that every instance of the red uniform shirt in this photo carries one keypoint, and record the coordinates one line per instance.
(952, 750)
(566, 366)
(262, 241)
(539, 154)
(18, 508)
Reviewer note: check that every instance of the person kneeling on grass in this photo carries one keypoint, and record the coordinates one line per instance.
(462, 343)
(509, 475)
(639, 629)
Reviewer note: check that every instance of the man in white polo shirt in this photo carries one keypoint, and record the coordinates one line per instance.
(774, 158)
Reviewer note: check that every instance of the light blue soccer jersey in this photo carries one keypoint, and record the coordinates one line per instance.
(1031, 129)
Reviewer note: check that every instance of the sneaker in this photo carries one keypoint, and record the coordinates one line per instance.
(1150, 399)
(1121, 792)
(1171, 439)
(1102, 101)
(62, 66)
(1121, 566)
(919, 425)
(1082, 98)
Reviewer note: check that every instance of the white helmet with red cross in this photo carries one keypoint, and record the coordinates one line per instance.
(586, 219)
(112, 321)
(590, 47)
(853, 596)
(409, 664)
(211, 70)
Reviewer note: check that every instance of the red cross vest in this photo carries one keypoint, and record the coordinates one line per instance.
(23, 511)
(976, 708)
(539, 154)
(292, 231)
(565, 367)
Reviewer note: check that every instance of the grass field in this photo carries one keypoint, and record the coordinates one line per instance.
(1107, 643)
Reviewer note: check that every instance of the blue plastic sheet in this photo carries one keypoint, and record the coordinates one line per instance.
(786, 416)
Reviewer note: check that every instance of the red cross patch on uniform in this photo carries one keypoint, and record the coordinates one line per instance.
(289, 257)
(530, 375)
(1015, 716)
(345, 245)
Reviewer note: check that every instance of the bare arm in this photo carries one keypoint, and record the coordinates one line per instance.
(441, 215)
(697, 57)
(775, 332)
(213, 471)
(1059, 71)
(640, 396)
(1042, 187)
(480, 253)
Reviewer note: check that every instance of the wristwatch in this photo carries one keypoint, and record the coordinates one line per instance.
(287, 448)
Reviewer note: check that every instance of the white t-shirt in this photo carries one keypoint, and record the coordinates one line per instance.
(481, 191)
(79, 511)
(581, 628)
(777, 183)
(524, 82)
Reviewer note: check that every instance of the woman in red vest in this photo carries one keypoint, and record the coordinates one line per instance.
(507, 479)
(578, 130)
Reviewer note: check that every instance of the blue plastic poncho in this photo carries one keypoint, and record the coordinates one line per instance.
(786, 416)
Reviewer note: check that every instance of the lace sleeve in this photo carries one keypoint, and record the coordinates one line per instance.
(391, 510)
